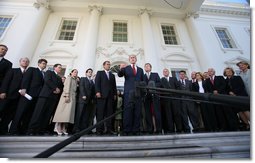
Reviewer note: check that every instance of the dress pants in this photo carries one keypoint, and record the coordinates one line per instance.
(171, 115)
(23, 115)
(44, 110)
(132, 112)
(104, 109)
(188, 110)
(8, 107)
(152, 109)
(87, 115)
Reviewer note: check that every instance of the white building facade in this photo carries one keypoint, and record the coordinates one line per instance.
(190, 35)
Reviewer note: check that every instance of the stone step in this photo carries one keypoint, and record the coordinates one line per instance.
(8, 146)
(199, 145)
(187, 152)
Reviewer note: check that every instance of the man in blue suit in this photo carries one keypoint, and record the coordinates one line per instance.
(151, 103)
(132, 104)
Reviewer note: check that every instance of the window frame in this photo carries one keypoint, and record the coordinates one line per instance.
(112, 34)
(232, 38)
(248, 31)
(228, 39)
(9, 25)
(174, 72)
(58, 32)
(176, 34)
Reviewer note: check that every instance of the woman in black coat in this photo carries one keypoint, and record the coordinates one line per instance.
(235, 87)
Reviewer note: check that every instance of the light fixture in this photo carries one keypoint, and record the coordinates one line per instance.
(166, 1)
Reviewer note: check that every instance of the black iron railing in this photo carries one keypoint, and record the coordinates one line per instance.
(236, 101)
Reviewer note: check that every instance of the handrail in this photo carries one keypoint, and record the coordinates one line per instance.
(219, 98)
(50, 151)
(201, 97)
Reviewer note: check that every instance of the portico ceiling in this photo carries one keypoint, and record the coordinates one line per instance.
(183, 5)
(176, 8)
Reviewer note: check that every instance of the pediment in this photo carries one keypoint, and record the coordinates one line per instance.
(236, 60)
(177, 57)
(57, 53)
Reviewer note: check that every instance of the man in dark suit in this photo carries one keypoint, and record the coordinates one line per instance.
(5, 64)
(188, 109)
(106, 93)
(31, 84)
(132, 105)
(47, 101)
(86, 102)
(217, 85)
(171, 114)
(9, 94)
(151, 101)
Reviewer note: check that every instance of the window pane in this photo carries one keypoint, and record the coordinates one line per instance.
(120, 33)
(225, 38)
(169, 35)
(4, 23)
(67, 31)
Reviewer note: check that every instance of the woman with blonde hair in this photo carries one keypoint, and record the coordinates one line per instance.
(66, 107)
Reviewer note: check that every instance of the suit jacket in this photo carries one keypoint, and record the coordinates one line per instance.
(5, 65)
(153, 77)
(235, 84)
(188, 85)
(51, 82)
(11, 83)
(219, 85)
(86, 88)
(195, 86)
(171, 84)
(32, 81)
(107, 87)
(130, 78)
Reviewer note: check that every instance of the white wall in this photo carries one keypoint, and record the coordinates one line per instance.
(237, 28)
(18, 31)
(181, 56)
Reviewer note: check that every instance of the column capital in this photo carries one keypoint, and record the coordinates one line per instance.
(191, 14)
(42, 3)
(145, 10)
(99, 9)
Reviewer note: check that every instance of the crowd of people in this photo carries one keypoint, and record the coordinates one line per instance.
(38, 102)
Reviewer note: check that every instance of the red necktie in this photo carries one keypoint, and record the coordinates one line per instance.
(212, 81)
(134, 70)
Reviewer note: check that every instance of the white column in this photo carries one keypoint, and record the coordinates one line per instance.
(148, 40)
(89, 53)
(36, 28)
(197, 41)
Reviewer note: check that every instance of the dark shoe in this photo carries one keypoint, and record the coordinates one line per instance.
(126, 134)
(110, 133)
(187, 131)
(30, 134)
(196, 130)
(99, 133)
(158, 133)
(136, 133)
(14, 133)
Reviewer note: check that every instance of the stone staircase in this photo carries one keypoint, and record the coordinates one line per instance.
(222, 145)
